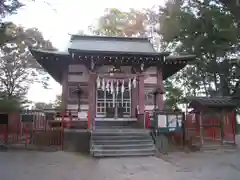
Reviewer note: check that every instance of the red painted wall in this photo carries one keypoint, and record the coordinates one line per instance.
(212, 133)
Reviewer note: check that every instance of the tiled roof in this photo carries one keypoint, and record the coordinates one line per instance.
(111, 44)
(214, 102)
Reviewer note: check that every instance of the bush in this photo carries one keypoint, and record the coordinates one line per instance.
(9, 105)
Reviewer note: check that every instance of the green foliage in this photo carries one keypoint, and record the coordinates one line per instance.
(7, 7)
(233, 7)
(42, 106)
(10, 104)
(119, 23)
(173, 95)
(212, 33)
(58, 102)
(18, 68)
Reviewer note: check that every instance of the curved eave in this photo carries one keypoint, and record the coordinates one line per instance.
(53, 62)
(174, 64)
(117, 53)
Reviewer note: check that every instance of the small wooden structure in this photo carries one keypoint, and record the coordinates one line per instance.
(212, 122)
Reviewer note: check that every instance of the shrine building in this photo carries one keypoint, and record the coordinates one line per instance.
(115, 77)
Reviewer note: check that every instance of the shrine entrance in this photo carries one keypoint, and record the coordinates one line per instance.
(113, 105)
(113, 96)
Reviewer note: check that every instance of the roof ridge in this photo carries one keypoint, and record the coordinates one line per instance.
(123, 38)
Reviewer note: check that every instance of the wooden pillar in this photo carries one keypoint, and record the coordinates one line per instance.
(222, 124)
(134, 99)
(201, 129)
(64, 89)
(160, 102)
(234, 125)
(92, 95)
(141, 99)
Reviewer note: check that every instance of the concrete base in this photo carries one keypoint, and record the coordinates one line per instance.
(76, 140)
(162, 143)
(79, 125)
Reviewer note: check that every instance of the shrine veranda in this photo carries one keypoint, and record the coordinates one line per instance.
(110, 78)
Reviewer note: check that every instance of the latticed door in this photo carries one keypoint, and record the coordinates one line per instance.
(119, 105)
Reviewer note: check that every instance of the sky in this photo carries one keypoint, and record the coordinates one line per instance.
(56, 19)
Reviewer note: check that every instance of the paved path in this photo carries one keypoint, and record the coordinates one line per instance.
(238, 140)
(29, 165)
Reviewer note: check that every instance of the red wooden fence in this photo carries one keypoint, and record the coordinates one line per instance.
(38, 132)
(213, 131)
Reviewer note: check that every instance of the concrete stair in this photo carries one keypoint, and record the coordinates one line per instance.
(121, 142)
(105, 124)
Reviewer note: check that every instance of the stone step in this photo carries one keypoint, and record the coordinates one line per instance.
(132, 154)
(115, 123)
(120, 141)
(125, 152)
(113, 127)
(122, 121)
(125, 137)
(121, 132)
(122, 146)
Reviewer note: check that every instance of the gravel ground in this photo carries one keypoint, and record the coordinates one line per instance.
(33, 165)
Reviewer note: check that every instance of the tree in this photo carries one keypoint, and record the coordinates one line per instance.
(6, 8)
(42, 105)
(119, 23)
(58, 102)
(18, 69)
(232, 5)
(174, 95)
(210, 32)
(9, 7)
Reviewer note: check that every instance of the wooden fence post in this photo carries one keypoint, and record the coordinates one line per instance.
(201, 130)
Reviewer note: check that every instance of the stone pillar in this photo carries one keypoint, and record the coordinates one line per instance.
(64, 89)
(141, 100)
(160, 102)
